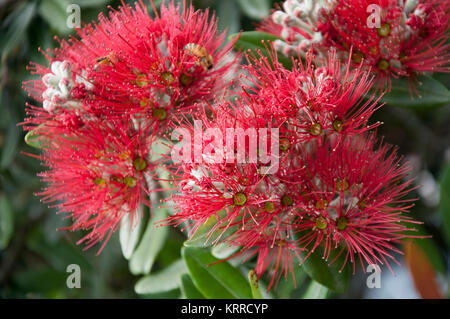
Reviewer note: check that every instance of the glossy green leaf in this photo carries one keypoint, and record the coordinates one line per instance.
(432, 93)
(206, 234)
(255, 9)
(316, 291)
(152, 241)
(165, 280)
(256, 41)
(445, 202)
(54, 13)
(219, 281)
(254, 285)
(188, 288)
(329, 275)
(130, 233)
(6, 221)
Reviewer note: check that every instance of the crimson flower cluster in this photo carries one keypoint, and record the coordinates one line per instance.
(108, 95)
(336, 187)
(391, 38)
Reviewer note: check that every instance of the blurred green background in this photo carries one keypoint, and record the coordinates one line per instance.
(34, 256)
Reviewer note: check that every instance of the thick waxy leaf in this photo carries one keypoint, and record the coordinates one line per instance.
(165, 280)
(205, 237)
(329, 275)
(220, 281)
(188, 288)
(152, 241)
(445, 201)
(6, 221)
(54, 13)
(432, 93)
(130, 233)
(316, 291)
(254, 285)
(259, 41)
(255, 9)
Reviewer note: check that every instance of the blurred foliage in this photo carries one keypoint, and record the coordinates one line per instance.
(34, 256)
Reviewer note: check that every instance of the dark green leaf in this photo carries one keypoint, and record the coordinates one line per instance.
(256, 41)
(6, 221)
(329, 275)
(445, 202)
(188, 288)
(220, 281)
(20, 19)
(432, 93)
(10, 147)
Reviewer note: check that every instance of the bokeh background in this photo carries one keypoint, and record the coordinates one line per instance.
(34, 256)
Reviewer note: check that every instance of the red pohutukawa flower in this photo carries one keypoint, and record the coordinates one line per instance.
(328, 184)
(98, 176)
(393, 38)
(109, 93)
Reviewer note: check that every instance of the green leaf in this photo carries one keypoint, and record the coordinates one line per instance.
(432, 93)
(445, 202)
(33, 139)
(41, 280)
(229, 14)
(91, 3)
(254, 285)
(205, 235)
(256, 41)
(152, 241)
(255, 9)
(329, 275)
(20, 19)
(54, 13)
(10, 147)
(6, 221)
(130, 233)
(165, 280)
(316, 291)
(188, 288)
(218, 281)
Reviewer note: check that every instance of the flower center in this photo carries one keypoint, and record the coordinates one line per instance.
(383, 64)
(160, 114)
(139, 164)
(239, 199)
(287, 200)
(129, 181)
(269, 206)
(384, 30)
(342, 223)
(315, 129)
(337, 125)
(321, 223)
